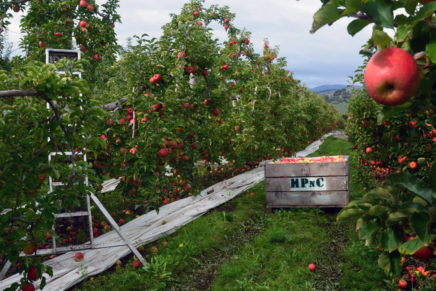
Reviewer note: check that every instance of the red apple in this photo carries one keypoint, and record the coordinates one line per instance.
(402, 283)
(16, 8)
(29, 248)
(27, 287)
(163, 152)
(83, 3)
(312, 267)
(78, 257)
(155, 79)
(41, 44)
(82, 48)
(136, 264)
(42, 177)
(368, 150)
(226, 20)
(58, 34)
(96, 57)
(216, 112)
(181, 54)
(413, 165)
(32, 274)
(424, 253)
(82, 23)
(195, 13)
(392, 76)
(90, 7)
(199, 23)
(189, 69)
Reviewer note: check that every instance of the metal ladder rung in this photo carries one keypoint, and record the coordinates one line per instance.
(71, 214)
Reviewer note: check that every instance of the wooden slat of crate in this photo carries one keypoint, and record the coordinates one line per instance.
(306, 169)
(302, 199)
(333, 183)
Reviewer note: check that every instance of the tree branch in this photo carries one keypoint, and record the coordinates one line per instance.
(18, 93)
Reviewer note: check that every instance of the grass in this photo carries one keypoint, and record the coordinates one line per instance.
(240, 247)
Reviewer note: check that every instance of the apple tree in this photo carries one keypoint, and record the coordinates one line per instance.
(396, 141)
(67, 24)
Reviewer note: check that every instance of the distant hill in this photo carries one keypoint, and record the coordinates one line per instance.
(338, 95)
(323, 88)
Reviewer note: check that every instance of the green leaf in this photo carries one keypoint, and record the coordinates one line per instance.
(353, 5)
(398, 216)
(402, 32)
(348, 213)
(357, 25)
(410, 6)
(377, 210)
(410, 247)
(384, 262)
(381, 11)
(381, 38)
(367, 230)
(395, 258)
(420, 222)
(430, 50)
(433, 176)
(327, 14)
(391, 239)
(390, 263)
(412, 184)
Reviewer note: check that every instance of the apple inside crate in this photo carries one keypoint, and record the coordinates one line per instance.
(307, 182)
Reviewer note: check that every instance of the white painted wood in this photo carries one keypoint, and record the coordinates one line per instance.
(145, 229)
(110, 185)
(5, 269)
(71, 214)
(116, 227)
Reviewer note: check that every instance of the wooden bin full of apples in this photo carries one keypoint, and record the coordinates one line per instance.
(307, 182)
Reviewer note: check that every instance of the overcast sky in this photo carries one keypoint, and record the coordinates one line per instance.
(329, 56)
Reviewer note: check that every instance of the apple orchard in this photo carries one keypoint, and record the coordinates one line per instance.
(161, 114)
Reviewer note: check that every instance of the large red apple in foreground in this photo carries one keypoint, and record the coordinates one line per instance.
(391, 76)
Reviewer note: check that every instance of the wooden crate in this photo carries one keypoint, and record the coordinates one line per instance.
(307, 184)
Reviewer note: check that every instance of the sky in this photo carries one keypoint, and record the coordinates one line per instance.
(329, 56)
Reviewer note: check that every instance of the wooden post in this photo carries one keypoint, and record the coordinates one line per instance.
(117, 229)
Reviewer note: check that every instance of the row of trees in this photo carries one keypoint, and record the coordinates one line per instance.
(183, 98)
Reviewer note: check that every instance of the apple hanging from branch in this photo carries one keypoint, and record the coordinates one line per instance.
(392, 76)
